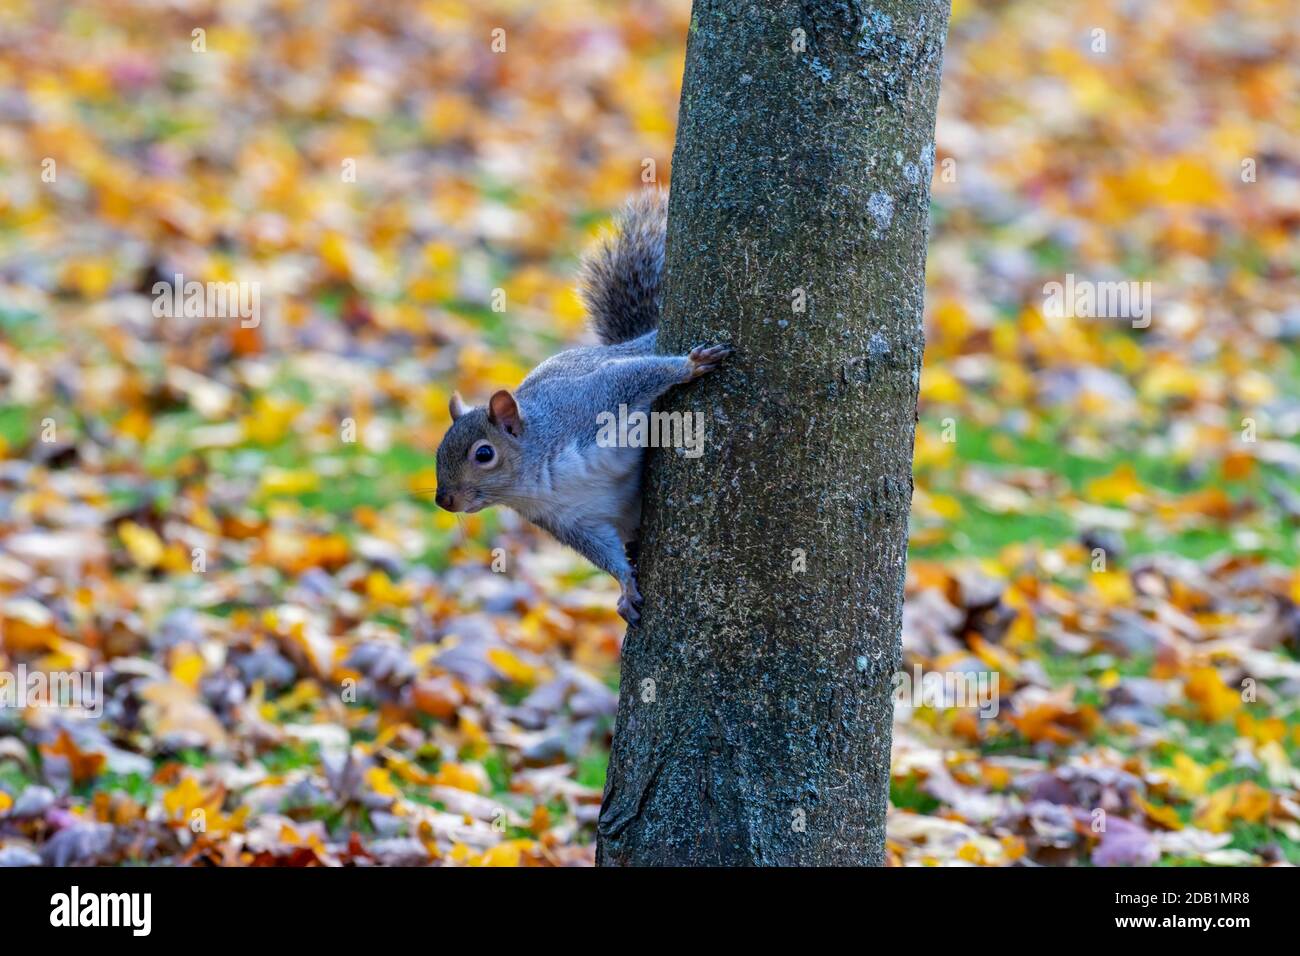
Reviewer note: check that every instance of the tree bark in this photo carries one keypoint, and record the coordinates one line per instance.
(755, 706)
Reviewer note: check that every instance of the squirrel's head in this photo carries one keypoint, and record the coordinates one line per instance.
(479, 457)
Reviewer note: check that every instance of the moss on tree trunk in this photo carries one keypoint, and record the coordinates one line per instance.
(754, 714)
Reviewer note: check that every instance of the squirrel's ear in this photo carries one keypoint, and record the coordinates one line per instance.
(504, 413)
(457, 406)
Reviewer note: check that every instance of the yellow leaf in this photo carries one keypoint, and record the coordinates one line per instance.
(187, 802)
(1214, 699)
(408, 771)
(27, 625)
(1213, 813)
(970, 853)
(1163, 816)
(1251, 801)
(931, 450)
(1182, 180)
(1114, 587)
(460, 853)
(334, 253)
(144, 546)
(304, 694)
(939, 385)
(184, 798)
(1268, 730)
(378, 780)
(458, 776)
(90, 278)
(1118, 487)
(1245, 801)
(187, 665)
(567, 308)
(382, 590)
(1167, 379)
(1189, 776)
(285, 481)
(136, 424)
(508, 853)
(269, 420)
(510, 665)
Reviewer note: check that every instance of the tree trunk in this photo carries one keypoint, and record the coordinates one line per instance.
(755, 708)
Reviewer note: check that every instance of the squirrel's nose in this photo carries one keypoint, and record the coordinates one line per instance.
(443, 499)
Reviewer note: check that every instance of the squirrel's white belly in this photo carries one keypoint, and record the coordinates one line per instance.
(592, 485)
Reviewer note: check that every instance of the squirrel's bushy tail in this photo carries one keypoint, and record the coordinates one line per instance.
(621, 278)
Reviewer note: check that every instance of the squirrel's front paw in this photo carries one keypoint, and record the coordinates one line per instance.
(705, 359)
(629, 602)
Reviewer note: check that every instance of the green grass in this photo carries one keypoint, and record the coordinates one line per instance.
(982, 532)
(591, 768)
(287, 757)
(15, 425)
(908, 795)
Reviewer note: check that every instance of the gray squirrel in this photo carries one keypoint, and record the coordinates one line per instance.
(535, 450)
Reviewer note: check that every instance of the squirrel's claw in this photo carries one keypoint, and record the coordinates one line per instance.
(628, 612)
(629, 602)
(705, 359)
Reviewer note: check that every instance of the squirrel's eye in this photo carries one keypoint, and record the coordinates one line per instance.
(484, 454)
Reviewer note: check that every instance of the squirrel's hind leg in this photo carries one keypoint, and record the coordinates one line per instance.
(602, 546)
